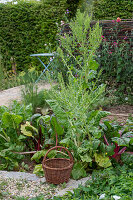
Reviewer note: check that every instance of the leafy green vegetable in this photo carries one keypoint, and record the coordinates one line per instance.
(86, 158)
(28, 129)
(123, 141)
(38, 170)
(38, 155)
(56, 126)
(78, 171)
(11, 120)
(102, 161)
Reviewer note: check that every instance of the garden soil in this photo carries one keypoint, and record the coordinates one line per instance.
(118, 112)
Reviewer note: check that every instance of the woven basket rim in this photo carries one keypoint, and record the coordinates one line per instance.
(59, 169)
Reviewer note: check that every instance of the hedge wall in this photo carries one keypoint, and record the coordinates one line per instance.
(26, 27)
(111, 9)
(72, 6)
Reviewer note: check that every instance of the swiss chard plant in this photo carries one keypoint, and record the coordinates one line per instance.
(11, 139)
(117, 139)
(42, 130)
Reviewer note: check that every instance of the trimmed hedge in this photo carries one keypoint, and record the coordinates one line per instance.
(72, 6)
(111, 9)
(31, 27)
(26, 27)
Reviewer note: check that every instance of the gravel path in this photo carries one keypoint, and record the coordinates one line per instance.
(21, 184)
(7, 96)
(11, 188)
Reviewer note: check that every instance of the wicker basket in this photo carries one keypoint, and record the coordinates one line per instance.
(57, 170)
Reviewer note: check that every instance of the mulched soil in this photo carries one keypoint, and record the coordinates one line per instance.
(120, 112)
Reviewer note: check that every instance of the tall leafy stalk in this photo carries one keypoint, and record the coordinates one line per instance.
(74, 102)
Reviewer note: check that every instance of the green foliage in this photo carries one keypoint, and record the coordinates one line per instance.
(111, 9)
(73, 103)
(42, 132)
(115, 59)
(127, 159)
(10, 138)
(38, 170)
(117, 140)
(82, 43)
(20, 109)
(27, 129)
(72, 6)
(102, 161)
(38, 155)
(78, 171)
(112, 183)
(26, 27)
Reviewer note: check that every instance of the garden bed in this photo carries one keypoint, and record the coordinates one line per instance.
(119, 112)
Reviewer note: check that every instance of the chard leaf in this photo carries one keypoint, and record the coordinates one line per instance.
(52, 154)
(131, 141)
(43, 120)
(102, 161)
(102, 147)
(21, 137)
(38, 170)
(128, 134)
(96, 144)
(110, 149)
(49, 141)
(96, 116)
(78, 171)
(3, 109)
(28, 132)
(11, 120)
(56, 126)
(58, 111)
(123, 141)
(38, 155)
(65, 141)
(35, 116)
(86, 158)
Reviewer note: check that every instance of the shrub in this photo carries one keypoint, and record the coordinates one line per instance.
(26, 27)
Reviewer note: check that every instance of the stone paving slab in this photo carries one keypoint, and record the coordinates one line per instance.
(21, 175)
(72, 184)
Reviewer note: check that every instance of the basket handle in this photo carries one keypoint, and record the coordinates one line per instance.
(60, 147)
